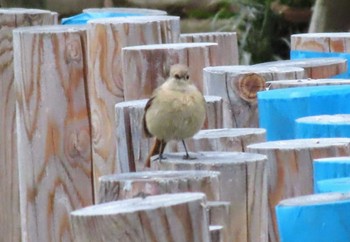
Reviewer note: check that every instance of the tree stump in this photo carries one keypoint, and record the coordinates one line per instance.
(227, 44)
(140, 11)
(314, 67)
(320, 217)
(238, 85)
(10, 19)
(177, 217)
(54, 152)
(132, 145)
(148, 183)
(219, 214)
(105, 88)
(289, 168)
(145, 67)
(234, 139)
(337, 125)
(242, 182)
(328, 168)
(278, 109)
(305, 82)
(216, 234)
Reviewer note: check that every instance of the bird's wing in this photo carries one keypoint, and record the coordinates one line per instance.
(144, 125)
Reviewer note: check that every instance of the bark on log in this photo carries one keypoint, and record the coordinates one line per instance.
(243, 183)
(148, 183)
(305, 82)
(289, 168)
(106, 39)
(145, 67)
(238, 85)
(234, 139)
(133, 146)
(316, 68)
(54, 151)
(177, 217)
(219, 214)
(318, 217)
(10, 19)
(227, 44)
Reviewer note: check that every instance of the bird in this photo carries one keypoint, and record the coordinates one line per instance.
(176, 110)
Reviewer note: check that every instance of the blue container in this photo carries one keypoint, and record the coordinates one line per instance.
(278, 109)
(333, 185)
(83, 18)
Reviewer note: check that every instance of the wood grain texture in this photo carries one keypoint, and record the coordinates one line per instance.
(216, 233)
(227, 44)
(226, 139)
(145, 67)
(305, 82)
(224, 81)
(54, 151)
(321, 42)
(315, 68)
(10, 228)
(106, 37)
(289, 168)
(132, 145)
(148, 183)
(177, 217)
(219, 214)
(243, 183)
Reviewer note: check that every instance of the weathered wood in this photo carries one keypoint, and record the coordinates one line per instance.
(242, 182)
(177, 217)
(216, 234)
(318, 217)
(54, 151)
(10, 19)
(227, 44)
(148, 183)
(132, 145)
(337, 125)
(227, 139)
(289, 168)
(238, 85)
(321, 42)
(106, 39)
(305, 82)
(219, 214)
(141, 11)
(314, 67)
(145, 67)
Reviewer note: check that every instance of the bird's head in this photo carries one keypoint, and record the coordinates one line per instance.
(179, 72)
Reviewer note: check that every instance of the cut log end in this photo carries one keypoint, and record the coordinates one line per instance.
(249, 84)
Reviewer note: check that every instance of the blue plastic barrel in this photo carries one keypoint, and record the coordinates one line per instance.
(333, 185)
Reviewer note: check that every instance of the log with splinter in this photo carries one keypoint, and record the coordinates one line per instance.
(175, 111)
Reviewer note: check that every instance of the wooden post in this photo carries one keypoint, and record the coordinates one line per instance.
(219, 214)
(227, 44)
(10, 226)
(148, 183)
(216, 234)
(145, 67)
(289, 168)
(337, 125)
(234, 139)
(319, 217)
(278, 109)
(328, 168)
(243, 183)
(314, 67)
(305, 82)
(132, 143)
(106, 37)
(177, 217)
(238, 85)
(54, 151)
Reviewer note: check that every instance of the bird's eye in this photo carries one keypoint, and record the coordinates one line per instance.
(187, 77)
(177, 76)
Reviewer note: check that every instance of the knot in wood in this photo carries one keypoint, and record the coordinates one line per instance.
(248, 85)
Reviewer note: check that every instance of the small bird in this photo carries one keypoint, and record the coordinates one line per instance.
(175, 111)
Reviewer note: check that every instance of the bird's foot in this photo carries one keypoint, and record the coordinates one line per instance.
(188, 157)
(161, 157)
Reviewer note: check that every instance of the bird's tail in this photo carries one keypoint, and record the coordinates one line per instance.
(157, 148)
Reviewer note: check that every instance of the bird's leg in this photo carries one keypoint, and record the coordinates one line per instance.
(161, 150)
(187, 156)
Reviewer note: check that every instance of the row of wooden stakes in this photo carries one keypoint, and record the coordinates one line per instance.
(61, 132)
